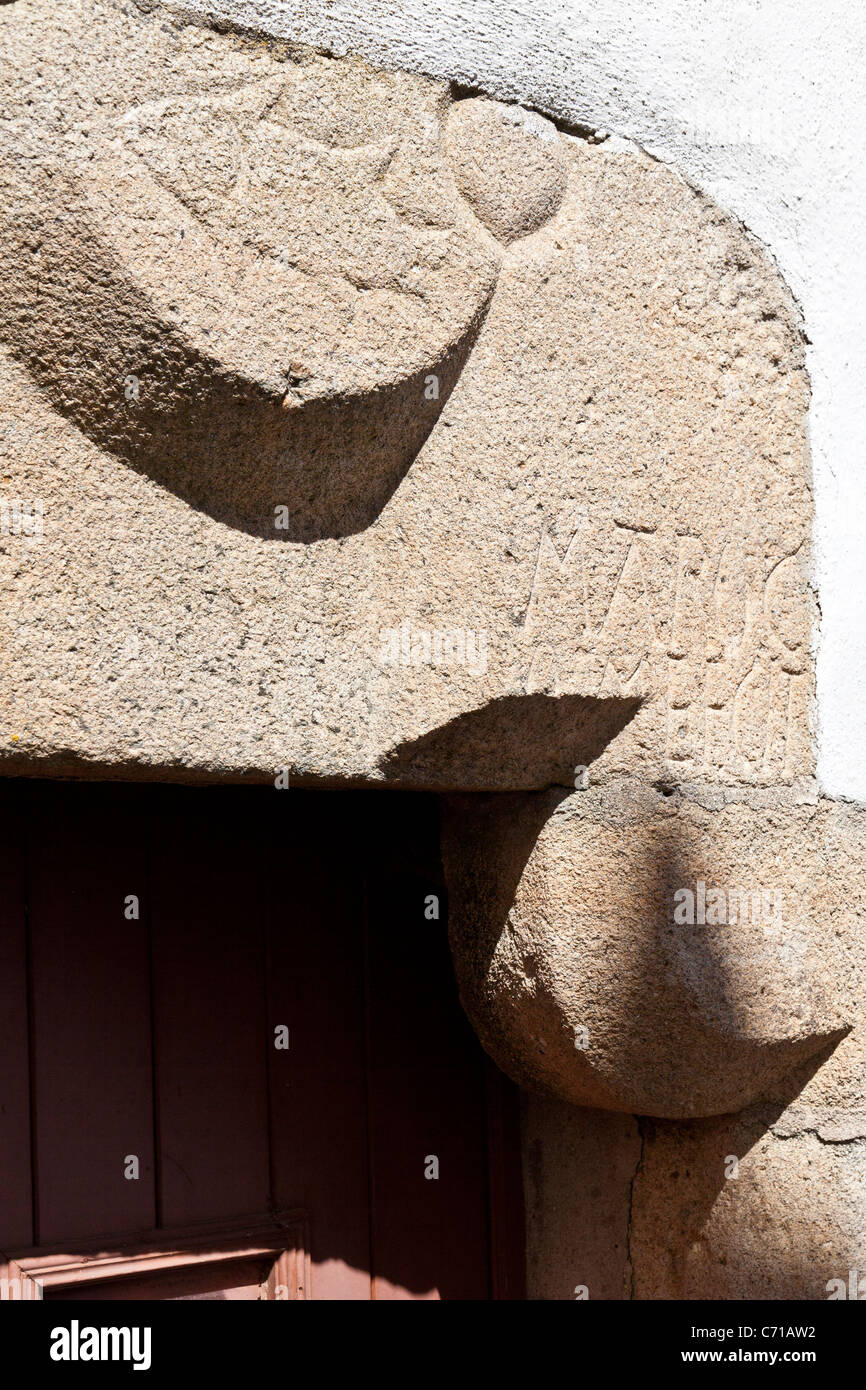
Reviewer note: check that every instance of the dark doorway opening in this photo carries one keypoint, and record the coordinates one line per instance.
(229, 1012)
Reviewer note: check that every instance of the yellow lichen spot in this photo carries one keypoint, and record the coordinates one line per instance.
(14, 738)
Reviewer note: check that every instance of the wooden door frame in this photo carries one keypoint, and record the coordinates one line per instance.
(280, 1238)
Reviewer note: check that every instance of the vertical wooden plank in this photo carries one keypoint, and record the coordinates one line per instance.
(505, 1180)
(16, 1216)
(206, 871)
(90, 1012)
(318, 1101)
(430, 1234)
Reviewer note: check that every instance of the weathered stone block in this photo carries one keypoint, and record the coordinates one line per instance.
(359, 411)
(665, 955)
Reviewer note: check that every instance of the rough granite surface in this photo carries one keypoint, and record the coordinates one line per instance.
(360, 430)
(355, 408)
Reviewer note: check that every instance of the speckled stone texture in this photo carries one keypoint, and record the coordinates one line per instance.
(584, 975)
(358, 430)
(289, 374)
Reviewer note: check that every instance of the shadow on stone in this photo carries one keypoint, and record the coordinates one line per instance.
(526, 742)
(233, 447)
(561, 919)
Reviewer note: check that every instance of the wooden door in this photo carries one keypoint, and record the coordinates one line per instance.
(230, 1042)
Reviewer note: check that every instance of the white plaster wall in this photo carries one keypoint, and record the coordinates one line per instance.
(761, 103)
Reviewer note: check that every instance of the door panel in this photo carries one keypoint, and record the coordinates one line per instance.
(90, 1001)
(206, 906)
(16, 1216)
(427, 1100)
(318, 1084)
